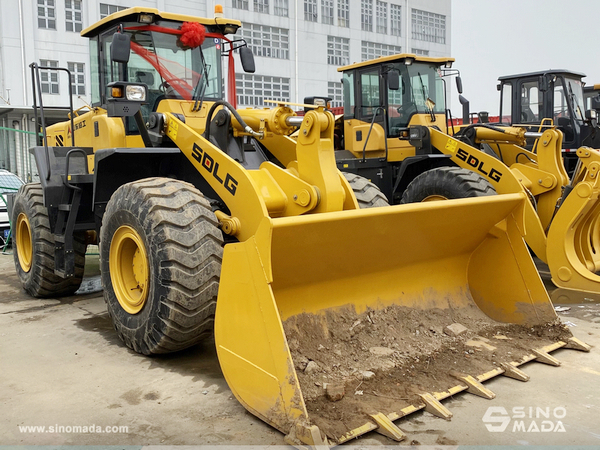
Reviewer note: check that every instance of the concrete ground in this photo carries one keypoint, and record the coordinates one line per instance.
(62, 365)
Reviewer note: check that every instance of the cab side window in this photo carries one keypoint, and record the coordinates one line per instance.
(531, 102)
(370, 93)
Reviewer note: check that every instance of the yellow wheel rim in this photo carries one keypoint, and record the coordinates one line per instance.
(24, 242)
(434, 198)
(128, 263)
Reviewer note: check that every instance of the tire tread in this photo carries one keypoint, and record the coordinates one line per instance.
(450, 182)
(367, 194)
(187, 251)
(41, 281)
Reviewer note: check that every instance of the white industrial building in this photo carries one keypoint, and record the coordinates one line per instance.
(298, 44)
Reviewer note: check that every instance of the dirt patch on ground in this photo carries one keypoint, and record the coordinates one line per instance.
(351, 365)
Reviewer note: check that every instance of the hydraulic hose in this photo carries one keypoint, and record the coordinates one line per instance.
(233, 111)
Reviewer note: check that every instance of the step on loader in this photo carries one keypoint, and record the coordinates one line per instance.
(329, 320)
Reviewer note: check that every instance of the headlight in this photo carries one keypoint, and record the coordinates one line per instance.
(230, 29)
(135, 93)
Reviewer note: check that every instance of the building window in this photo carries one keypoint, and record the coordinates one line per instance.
(334, 90)
(261, 6)
(343, 13)
(428, 27)
(46, 17)
(327, 12)
(310, 10)
(240, 4)
(395, 20)
(371, 50)
(49, 78)
(381, 16)
(107, 10)
(366, 15)
(73, 15)
(77, 78)
(419, 52)
(281, 8)
(253, 90)
(270, 42)
(338, 51)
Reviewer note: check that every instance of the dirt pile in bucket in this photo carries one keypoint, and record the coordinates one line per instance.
(351, 365)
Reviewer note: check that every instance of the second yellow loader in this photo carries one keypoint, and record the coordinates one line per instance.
(394, 132)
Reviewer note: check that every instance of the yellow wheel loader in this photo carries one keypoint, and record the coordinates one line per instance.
(329, 320)
(394, 132)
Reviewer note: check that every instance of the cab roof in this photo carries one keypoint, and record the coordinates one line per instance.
(543, 72)
(133, 14)
(400, 57)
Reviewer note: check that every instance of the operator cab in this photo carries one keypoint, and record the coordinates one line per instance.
(174, 55)
(387, 100)
(529, 99)
(553, 96)
(405, 85)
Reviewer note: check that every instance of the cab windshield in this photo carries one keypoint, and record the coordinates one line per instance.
(421, 92)
(169, 69)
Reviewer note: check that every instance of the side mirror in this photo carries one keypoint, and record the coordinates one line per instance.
(465, 109)
(120, 47)
(459, 87)
(247, 58)
(591, 115)
(393, 79)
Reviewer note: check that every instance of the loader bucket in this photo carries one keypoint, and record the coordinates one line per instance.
(324, 322)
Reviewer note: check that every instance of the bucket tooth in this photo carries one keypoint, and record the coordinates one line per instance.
(310, 435)
(387, 428)
(514, 372)
(474, 386)
(546, 358)
(576, 344)
(433, 406)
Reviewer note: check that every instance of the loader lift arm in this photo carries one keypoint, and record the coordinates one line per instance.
(311, 183)
(570, 219)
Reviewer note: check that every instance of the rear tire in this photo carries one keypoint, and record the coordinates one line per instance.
(367, 194)
(33, 247)
(446, 183)
(160, 241)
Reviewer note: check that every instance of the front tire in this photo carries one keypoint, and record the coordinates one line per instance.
(161, 254)
(446, 183)
(33, 247)
(367, 194)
